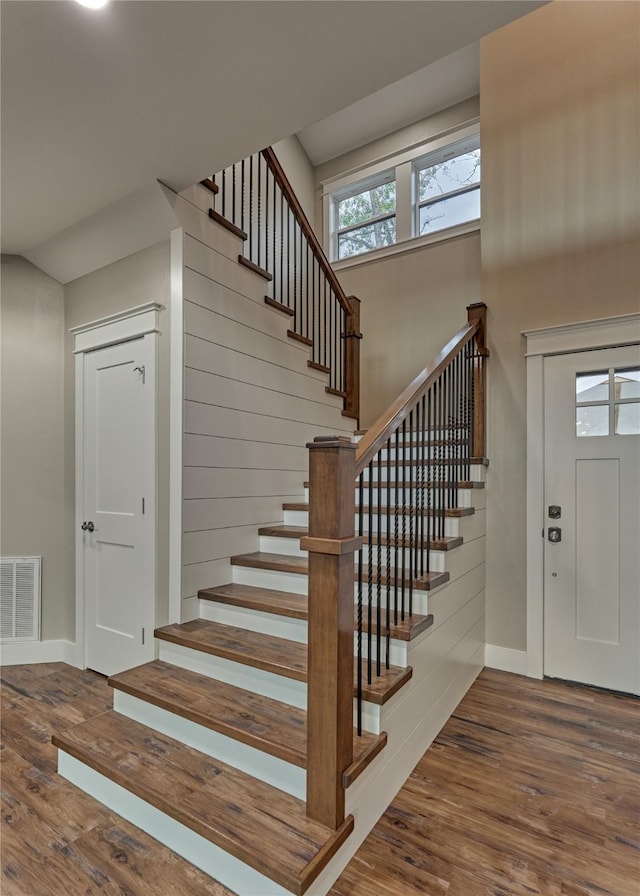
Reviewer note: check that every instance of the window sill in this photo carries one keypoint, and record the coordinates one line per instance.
(409, 245)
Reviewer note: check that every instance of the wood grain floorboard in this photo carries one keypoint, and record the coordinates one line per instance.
(531, 788)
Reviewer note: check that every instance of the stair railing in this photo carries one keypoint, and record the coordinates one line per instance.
(257, 199)
(406, 471)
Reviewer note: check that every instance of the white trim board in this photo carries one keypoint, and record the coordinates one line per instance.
(18, 653)
(505, 659)
(605, 332)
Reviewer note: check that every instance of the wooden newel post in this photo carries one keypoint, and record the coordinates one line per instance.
(352, 339)
(478, 312)
(331, 544)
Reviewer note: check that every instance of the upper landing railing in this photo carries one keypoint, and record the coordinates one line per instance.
(256, 198)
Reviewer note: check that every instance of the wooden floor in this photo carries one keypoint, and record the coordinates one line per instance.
(531, 788)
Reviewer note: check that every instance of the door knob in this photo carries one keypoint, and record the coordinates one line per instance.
(87, 527)
(555, 534)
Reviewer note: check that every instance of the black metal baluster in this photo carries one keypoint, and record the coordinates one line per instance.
(324, 329)
(379, 574)
(224, 192)
(412, 465)
(243, 182)
(267, 180)
(396, 527)
(306, 320)
(423, 466)
(251, 208)
(404, 517)
(214, 195)
(294, 258)
(233, 193)
(429, 477)
(388, 539)
(282, 251)
(370, 575)
(259, 228)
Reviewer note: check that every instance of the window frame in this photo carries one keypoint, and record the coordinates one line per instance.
(360, 186)
(405, 166)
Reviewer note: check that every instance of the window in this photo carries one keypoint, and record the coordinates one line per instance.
(608, 402)
(366, 216)
(448, 189)
(420, 196)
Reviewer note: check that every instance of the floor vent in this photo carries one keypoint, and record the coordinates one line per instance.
(20, 598)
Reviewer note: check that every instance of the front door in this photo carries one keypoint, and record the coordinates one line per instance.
(592, 518)
(118, 530)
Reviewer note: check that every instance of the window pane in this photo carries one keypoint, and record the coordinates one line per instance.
(368, 204)
(445, 177)
(592, 386)
(449, 212)
(627, 383)
(627, 419)
(364, 239)
(592, 421)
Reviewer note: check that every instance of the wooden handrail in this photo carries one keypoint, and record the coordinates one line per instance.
(384, 427)
(283, 182)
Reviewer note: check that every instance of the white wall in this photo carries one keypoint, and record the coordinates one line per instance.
(412, 302)
(139, 278)
(33, 437)
(560, 136)
(251, 404)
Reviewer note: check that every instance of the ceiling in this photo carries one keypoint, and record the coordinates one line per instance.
(97, 105)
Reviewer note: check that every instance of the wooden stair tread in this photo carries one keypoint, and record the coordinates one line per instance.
(252, 266)
(266, 652)
(448, 511)
(282, 531)
(299, 337)
(258, 824)
(448, 543)
(300, 566)
(284, 603)
(275, 562)
(228, 225)
(267, 600)
(473, 461)
(260, 722)
(279, 306)
(426, 582)
(433, 483)
(210, 185)
(321, 367)
(277, 655)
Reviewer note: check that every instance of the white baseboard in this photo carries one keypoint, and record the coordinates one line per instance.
(505, 659)
(26, 652)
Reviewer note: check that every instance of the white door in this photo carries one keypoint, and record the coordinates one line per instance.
(119, 506)
(592, 518)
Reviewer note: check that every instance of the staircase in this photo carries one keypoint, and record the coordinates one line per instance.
(213, 748)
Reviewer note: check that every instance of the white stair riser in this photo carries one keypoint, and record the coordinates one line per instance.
(433, 498)
(255, 620)
(270, 769)
(214, 861)
(397, 650)
(273, 544)
(454, 526)
(477, 473)
(287, 690)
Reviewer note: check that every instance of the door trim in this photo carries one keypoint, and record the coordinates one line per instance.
(607, 332)
(139, 322)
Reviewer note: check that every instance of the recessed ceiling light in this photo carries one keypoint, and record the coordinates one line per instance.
(93, 4)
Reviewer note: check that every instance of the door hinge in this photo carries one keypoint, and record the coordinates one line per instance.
(143, 505)
(143, 637)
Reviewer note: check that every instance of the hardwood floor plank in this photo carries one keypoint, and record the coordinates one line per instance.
(531, 789)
